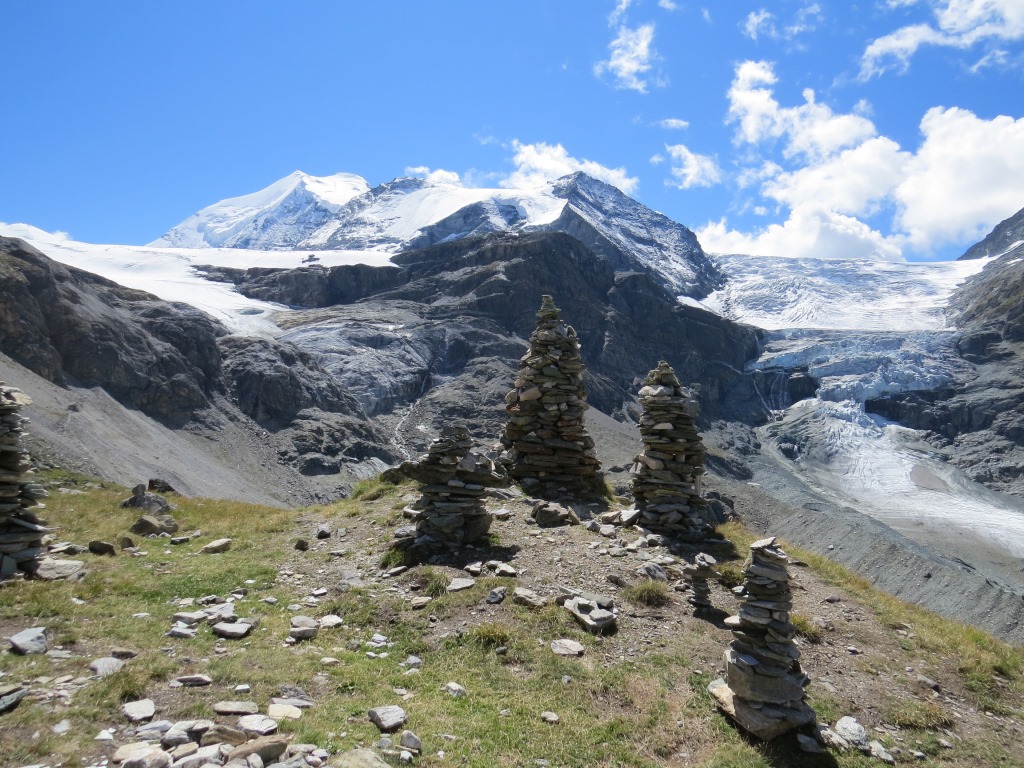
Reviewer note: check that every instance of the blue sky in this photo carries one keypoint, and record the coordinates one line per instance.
(886, 129)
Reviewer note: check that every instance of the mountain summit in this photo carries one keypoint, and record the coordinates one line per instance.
(341, 212)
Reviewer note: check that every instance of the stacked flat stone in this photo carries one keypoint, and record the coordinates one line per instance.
(21, 530)
(763, 690)
(545, 439)
(698, 575)
(454, 480)
(667, 474)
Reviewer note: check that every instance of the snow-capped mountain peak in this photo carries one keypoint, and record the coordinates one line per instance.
(270, 217)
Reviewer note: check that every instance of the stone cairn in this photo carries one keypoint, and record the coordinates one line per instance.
(545, 439)
(763, 689)
(698, 574)
(454, 480)
(667, 474)
(21, 530)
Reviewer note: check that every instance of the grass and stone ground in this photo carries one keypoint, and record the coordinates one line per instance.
(920, 684)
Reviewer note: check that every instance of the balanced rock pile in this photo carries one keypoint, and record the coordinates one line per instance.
(763, 690)
(454, 480)
(666, 479)
(545, 439)
(698, 574)
(21, 530)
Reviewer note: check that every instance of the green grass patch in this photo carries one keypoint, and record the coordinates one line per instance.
(649, 593)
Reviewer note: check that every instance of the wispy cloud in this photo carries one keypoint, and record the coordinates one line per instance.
(673, 124)
(961, 24)
(631, 59)
(437, 175)
(760, 23)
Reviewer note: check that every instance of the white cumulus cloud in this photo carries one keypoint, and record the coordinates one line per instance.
(673, 124)
(961, 24)
(437, 175)
(536, 164)
(829, 173)
(690, 169)
(631, 59)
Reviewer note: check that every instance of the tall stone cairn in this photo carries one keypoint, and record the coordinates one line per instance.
(545, 439)
(454, 480)
(763, 689)
(21, 530)
(667, 474)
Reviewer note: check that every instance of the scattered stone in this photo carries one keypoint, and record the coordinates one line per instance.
(105, 666)
(215, 547)
(151, 503)
(852, 732)
(140, 710)
(566, 647)
(219, 733)
(330, 621)
(11, 696)
(301, 545)
(388, 719)
(590, 615)
(809, 744)
(410, 741)
(667, 473)
(763, 690)
(323, 531)
(53, 569)
(545, 439)
(232, 630)
(420, 602)
(357, 758)
(303, 628)
(455, 690)
(257, 725)
(29, 641)
(267, 748)
(123, 653)
(284, 712)
(459, 584)
(879, 752)
(497, 595)
(236, 708)
(549, 717)
(194, 681)
(527, 597)
(98, 547)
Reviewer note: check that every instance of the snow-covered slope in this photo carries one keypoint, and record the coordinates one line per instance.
(838, 294)
(278, 216)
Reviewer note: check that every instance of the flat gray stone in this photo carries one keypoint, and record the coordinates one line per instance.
(51, 569)
(460, 584)
(257, 725)
(194, 681)
(215, 547)
(231, 630)
(567, 647)
(105, 666)
(236, 708)
(140, 710)
(388, 718)
(853, 732)
(357, 758)
(29, 641)
(154, 757)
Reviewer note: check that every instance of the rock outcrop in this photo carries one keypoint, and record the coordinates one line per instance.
(545, 439)
(21, 530)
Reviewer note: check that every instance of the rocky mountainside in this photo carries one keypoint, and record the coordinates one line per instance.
(1008, 234)
(978, 417)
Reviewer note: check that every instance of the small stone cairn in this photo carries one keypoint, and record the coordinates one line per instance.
(763, 689)
(545, 439)
(698, 574)
(21, 530)
(454, 480)
(667, 474)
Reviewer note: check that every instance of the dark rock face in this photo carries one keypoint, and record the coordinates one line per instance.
(460, 312)
(70, 326)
